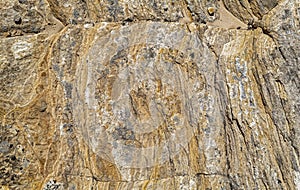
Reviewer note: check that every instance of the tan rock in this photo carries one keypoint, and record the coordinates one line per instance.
(149, 94)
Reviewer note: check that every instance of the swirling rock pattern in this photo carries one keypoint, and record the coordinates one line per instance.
(121, 94)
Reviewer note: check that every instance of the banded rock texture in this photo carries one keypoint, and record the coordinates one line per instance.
(197, 94)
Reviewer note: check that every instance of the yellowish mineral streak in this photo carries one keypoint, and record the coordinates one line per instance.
(242, 84)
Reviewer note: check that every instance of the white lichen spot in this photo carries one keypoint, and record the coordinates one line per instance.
(21, 49)
(242, 91)
(102, 26)
(61, 129)
(193, 184)
(252, 124)
(88, 25)
(183, 183)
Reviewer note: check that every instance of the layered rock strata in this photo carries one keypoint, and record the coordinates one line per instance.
(149, 94)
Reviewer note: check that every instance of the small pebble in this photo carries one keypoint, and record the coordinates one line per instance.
(211, 11)
(18, 20)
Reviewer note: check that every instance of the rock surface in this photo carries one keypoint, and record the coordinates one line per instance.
(149, 94)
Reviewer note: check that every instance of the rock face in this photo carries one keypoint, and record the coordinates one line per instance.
(110, 94)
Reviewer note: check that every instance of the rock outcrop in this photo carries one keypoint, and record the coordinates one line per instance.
(197, 94)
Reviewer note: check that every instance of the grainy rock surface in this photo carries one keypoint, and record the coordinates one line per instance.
(125, 94)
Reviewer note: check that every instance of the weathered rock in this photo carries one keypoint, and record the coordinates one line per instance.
(26, 17)
(74, 12)
(149, 94)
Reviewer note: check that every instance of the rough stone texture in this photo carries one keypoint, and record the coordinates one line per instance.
(194, 94)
